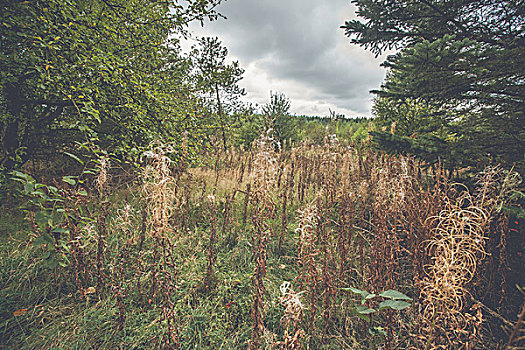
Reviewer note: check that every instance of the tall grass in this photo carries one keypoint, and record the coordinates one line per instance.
(257, 249)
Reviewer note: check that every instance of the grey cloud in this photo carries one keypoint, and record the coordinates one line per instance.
(300, 41)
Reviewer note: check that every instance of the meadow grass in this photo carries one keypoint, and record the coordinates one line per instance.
(257, 249)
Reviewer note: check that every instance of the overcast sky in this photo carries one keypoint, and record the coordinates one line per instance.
(296, 47)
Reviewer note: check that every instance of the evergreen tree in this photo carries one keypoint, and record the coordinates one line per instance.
(218, 81)
(468, 57)
(277, 116)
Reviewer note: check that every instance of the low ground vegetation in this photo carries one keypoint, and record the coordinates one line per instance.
(316, 246)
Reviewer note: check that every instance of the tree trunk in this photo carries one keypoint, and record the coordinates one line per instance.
(221, 121)
(10, 141)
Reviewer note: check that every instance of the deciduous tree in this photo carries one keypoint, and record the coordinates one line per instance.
(100, 69)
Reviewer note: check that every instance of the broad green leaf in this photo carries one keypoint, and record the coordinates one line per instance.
(370, 296)
(354, 290)
(364, 310)
(394, 294)
(363, 293)
(28, 188)
(393, 304)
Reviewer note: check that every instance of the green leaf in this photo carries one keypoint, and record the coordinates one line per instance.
(364, 294)
(18, 179)
(70, 180)
(364, 310)
(39, 241)
(74, 157)
(42, 218)
(28, 188)
(354, 290)
(60, 230)
(39, 193)
(394, 294)
(22, 176)
(393, 304)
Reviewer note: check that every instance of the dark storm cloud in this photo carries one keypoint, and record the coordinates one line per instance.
(297, 47)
